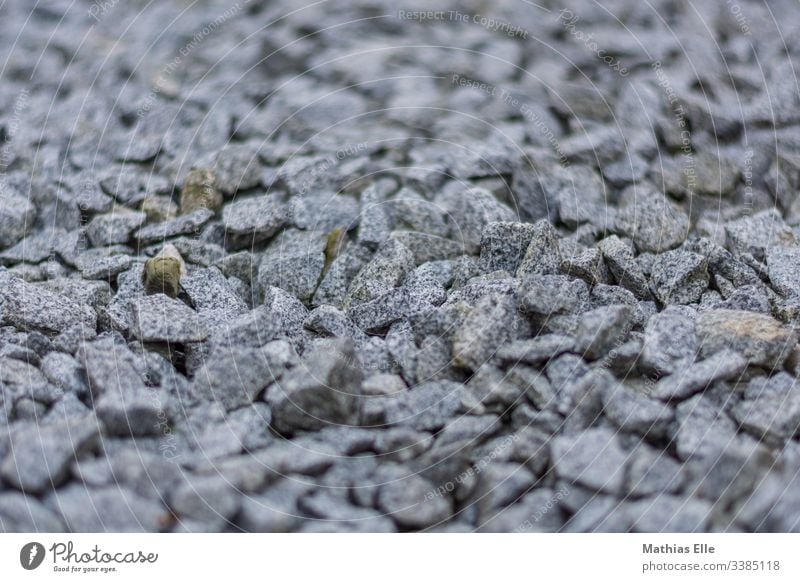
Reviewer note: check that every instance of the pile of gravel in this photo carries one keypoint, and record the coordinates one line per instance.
(477, 268)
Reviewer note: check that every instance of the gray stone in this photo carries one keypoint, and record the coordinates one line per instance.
(762, 340)
(755, 233)
(670, 341)
(724, 365)
(158, 318)
(600, 330)
(64, 371)
(624, 268)
(30, 307)
(784, 273)
(207, 500)
(21, 513)
(637, 413)
(234, 376)
(324, 389)
(535, 351)
(594, 459)
(701, 428)
(669, 513)
(587, 265)
(772, 415)
(17, 214)
(38, 457)
(250, 220)
(470, 210)
(412, 211)
(390, 265)
(375, 221)
(187, 224)
(652, 471)
(504, 245)
(294, 262)
(213, 296)
(115, 227)
(107, 509)
(652, 222)
(491, 323)
(679, 277)
(413, 504)
(428, 247)
(547, 295)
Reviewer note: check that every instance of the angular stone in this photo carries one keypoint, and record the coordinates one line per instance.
(115, 227)
(543, 256)
(294, 262)
(38, 457)
(391, 263)
(623, 266)
(548, 295)
(653, 223)
(503, 245)
(158, 318)
(324, 390)
(602, 329)
(491, 323)
(413, 504)
(31, 307)
(250, 220)
(114, 509)
(724, 365)
(17, 214)
(679, 277)
(637, 413)
(670, 341)
(762, 340)
(755, 233)
(233, 376)
(593, 459)
(188, 224)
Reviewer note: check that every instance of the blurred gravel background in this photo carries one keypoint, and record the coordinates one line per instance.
(449, 266)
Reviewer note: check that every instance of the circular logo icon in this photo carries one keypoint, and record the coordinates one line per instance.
(31, 555)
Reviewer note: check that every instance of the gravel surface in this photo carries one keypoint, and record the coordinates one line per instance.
(399, 266)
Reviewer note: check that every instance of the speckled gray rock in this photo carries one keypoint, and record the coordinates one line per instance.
(679, 277)
(600, 330)
(503, 245)
(670, 341)
(634, 412)
(784, 273)
(115, 509)
(492, 322)
(623, 267)
(470, 210)
(17, 214)
(64, 371)
(553, 294)
(413, 503)
(233, 376)
(323, 390)
(250, 220)
(543, 256)
(183, 225)
(756, 233)
(391, 263)
(653, 222)
(761, 339)
(31, 307)
(593, 458)
(724, 365)
(294, 262)
(115, 227)
(158, 318)
(38, 457)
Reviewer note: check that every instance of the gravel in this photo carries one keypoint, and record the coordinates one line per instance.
(439, 286)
